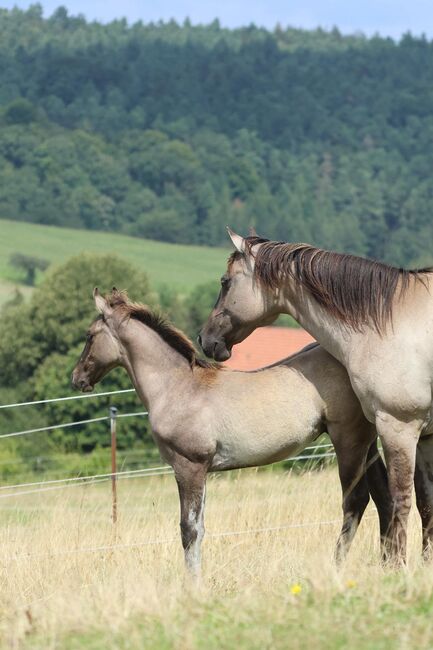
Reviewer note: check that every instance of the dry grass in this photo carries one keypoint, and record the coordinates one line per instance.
(136, 597)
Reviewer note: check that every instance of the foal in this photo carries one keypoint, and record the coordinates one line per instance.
(206, 418)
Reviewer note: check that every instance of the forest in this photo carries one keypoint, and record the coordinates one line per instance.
(170, 132)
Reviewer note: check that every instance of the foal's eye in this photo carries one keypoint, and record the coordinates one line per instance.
(225, 281)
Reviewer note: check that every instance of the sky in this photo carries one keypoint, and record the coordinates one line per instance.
(386, 17)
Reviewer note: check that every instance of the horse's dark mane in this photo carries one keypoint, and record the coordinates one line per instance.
(170, 334)
(354, 289)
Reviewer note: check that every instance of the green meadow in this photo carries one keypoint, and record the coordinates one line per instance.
(180, 266)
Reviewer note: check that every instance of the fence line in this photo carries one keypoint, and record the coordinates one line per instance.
(53, 427)
(307, 457)
(65, 425)
(65, 399)
(129, 415)
(42, 459)
(125, 455)
(90, 482)
(166, 469)
(169, 540)
(83, 478)
(58, 484)
(49, 489)
(327, 444)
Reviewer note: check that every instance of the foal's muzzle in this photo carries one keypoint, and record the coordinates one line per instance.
(81, 384)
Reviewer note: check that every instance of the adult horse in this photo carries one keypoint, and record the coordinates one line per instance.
(375, 319)
(206, 418)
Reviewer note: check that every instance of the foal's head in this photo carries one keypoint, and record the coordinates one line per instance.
(243, 304)
(102, 350)
(108, 345)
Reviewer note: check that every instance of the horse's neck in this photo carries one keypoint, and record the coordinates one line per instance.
(323, 326)
(158, 372)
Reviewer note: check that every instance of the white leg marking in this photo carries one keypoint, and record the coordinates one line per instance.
(196, 524)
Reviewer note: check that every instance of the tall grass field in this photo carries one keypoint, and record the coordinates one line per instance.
(71, 580)
(180, 266)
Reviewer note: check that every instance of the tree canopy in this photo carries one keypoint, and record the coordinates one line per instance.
(171, 131)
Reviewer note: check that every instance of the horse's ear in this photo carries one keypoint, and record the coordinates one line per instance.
(101, 304)
(238, 241)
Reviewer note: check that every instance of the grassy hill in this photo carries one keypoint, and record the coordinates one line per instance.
(180, 266)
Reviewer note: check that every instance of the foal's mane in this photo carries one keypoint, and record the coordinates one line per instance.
(354, 289)
(171, 335)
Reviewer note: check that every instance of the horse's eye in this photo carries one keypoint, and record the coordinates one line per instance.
(224, 281)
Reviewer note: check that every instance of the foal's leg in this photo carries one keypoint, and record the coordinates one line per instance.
(424, 492)
(399, 440)
(191, 482)
(377, 478)
(354, 485)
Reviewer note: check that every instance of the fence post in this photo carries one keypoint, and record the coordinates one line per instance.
(113, 418)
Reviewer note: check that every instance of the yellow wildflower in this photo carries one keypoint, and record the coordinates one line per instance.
(296, 589)
(350, 584)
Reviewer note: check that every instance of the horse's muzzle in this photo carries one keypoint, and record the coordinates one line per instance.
(214, 349)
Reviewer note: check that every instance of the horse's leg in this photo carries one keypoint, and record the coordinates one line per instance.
(351, 468)
(399, 440)
(424, 492)
(377, 478)
(191, 482)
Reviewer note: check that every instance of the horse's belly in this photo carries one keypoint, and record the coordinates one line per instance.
(261, 449)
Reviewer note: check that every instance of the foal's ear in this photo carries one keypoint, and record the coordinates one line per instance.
(101, 304)
(238, 241)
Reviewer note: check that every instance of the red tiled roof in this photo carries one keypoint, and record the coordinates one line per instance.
(267, 345)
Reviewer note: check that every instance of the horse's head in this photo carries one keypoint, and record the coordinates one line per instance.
(101, 352)
(242, 305)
